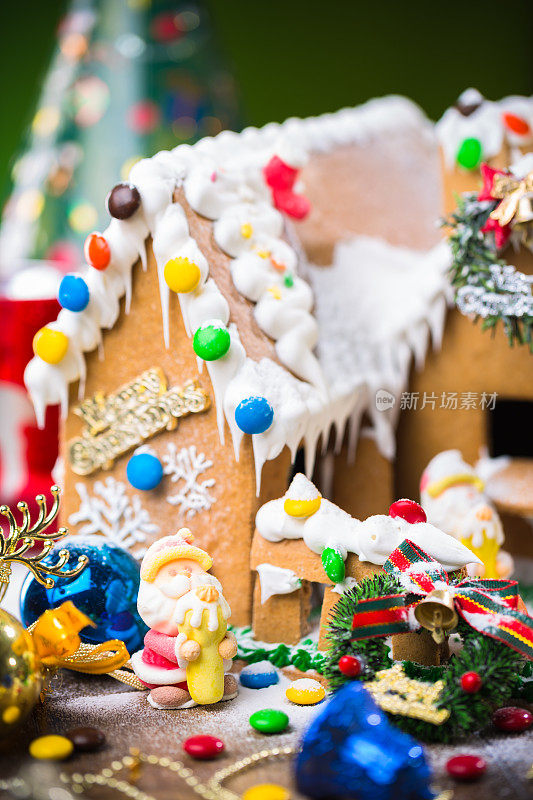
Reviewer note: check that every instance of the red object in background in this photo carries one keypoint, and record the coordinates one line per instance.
(471, 682)
(27, 454)
(281, 178)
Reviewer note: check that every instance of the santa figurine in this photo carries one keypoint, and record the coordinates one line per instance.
(188, 649)
(452, 495)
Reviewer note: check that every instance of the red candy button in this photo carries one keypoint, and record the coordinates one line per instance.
(516, 124)
(408, 510)
(466, 767)
(471, 682)
(97, 251)
(203, 747)
(350, 666)
(512, 719)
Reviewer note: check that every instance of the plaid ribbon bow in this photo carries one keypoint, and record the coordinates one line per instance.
(488, 606)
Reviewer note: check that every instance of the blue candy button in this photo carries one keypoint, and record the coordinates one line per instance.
(254, 415)
(73, 293)
(144, 471)
(259, 675)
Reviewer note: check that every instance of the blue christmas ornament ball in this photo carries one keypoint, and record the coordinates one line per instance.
(254, 415)
(352, 751)
(144, 471)
(73, 293)
(106, 590)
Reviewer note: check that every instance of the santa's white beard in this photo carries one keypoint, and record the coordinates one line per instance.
(156, 609)
(176, 587)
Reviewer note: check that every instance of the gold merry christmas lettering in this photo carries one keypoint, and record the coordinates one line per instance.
(116, 423)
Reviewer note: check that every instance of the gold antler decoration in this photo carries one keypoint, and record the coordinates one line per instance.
(15, 545)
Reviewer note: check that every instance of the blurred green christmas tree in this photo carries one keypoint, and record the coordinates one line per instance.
(128, 78)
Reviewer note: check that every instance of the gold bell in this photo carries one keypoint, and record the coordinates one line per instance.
(436, 613)
(524, 211)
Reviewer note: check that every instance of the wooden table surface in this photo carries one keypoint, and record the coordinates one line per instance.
(128, 721)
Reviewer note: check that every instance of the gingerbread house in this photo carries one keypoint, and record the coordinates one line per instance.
(258, 299)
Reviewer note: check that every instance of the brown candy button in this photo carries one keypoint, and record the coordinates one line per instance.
(86, 739)
(466, 109)
(123, 200)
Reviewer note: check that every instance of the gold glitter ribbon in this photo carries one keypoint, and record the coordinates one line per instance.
(56, 638)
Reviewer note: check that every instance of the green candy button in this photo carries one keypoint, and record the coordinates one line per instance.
(211, 342)
(268, 720)
(469, 154)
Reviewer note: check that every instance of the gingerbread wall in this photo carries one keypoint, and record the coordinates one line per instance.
(136, 344)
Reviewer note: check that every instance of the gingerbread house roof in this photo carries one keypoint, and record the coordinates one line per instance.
(335, 347)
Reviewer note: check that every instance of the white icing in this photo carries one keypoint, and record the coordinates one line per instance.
(191, 602)
(372, 540)
(484, 123)
(306, 685)
(222, 179)
(111, 512)
(259, 668)
(301, 488)
(375, 307)
(276, 580)
(186, 468)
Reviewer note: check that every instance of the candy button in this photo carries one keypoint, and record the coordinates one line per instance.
(254, 415)
(181, 275)
(512, 719)
(203, 747)
(73, 293)
(51, 748)
(97, 251)
(144, 471)
(305, 692)
(10, 715)
(466, 767)
(516, 124)
(408, 510)
(469, 154)
(266, 791)
(259, 675)
(471, 682)
(269, 720)
(247, 230)
(211, 341)
(50, 345)
(86, 739)
(123, 200)
(350, 666)
(301, 508)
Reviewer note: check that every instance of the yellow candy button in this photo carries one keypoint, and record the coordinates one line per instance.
(266, 791)
(51, 748)
(50, 345)
(305, 692)
(301, 508)
(246, 230)
(182, 275)
(10, 715)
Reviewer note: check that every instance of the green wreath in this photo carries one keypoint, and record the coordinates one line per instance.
(485, 285)
(504, 673)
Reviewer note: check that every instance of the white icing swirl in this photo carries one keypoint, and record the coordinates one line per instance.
(372, 540)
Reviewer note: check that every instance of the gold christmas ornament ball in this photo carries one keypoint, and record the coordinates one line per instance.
(20, 673)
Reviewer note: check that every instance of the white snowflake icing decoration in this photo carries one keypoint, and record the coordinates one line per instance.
(111, 512)
(187, 465)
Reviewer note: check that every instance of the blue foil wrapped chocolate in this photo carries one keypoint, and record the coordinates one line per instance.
(352, 751)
